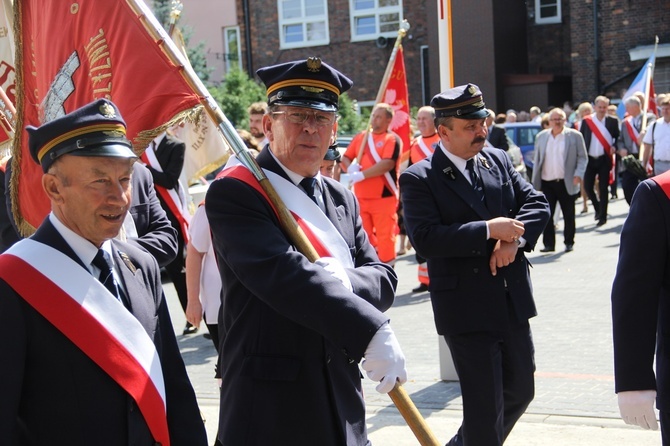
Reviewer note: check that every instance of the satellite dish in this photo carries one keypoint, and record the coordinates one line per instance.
(382, 42)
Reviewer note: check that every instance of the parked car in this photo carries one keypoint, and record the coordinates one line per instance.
(523, 135)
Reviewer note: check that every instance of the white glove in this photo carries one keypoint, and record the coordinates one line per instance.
(353, 167)
(356, 177)
(384, 360)
(335, 268)
(637, 408)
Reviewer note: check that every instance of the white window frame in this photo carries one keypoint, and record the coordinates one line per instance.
(546, 20)
(304, 22)
(227, 61)
(376, 11)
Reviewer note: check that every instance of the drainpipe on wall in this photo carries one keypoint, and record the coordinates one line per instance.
(247, 34)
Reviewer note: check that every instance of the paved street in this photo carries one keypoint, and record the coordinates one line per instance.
(575, 402)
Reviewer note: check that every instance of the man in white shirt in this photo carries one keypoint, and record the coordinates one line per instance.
(657, 139)
(560, 163)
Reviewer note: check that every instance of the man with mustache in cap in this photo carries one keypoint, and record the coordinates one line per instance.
(93, 357)
(292, 332)
(470, 213)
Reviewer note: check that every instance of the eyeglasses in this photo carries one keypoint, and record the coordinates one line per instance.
(557, 119)
(300, 117)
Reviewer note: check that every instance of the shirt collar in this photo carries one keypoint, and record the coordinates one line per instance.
(459, 162)
(84, 249)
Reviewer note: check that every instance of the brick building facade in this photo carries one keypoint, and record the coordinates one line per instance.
(517, 59)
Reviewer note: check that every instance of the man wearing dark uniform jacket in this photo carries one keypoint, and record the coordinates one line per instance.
(292, 332)
(93, 358)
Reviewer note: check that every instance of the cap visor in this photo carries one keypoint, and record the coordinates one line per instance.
(479, 114)
(110, 150)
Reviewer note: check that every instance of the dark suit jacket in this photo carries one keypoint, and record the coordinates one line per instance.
(170, 155)
(290, 334)
(155, 232)
(498, 137)
(611, 124)
(8, 232)
(446, 223)
(60, 396)
(641, 296)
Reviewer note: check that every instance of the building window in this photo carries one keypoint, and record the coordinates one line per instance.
(232, 52)
(371, 19)
(547, 11)
(303, 23)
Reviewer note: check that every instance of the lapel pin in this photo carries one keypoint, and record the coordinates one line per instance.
(484, 162)
(449, 172)
(128, 262)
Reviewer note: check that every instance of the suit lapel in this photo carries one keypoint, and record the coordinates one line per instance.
(455, 180)
(490, 175)
(136, 289)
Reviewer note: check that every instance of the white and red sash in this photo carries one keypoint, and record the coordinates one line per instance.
(325, 238)
(424, 148)
(600, 131)
(175, 198)
(387, 176)
(81, 308)
(632, 131)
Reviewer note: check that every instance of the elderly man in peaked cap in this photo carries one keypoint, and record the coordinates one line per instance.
(292, 332)
(472, 216)
(93, 357)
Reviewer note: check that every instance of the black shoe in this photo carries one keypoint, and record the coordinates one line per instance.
(601, 222)
(190, 329)
(421, 288)
(548, 249)
(207, 336)
(569, 248)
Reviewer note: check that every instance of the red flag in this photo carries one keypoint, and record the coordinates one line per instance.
(396, 96)
(70, 54)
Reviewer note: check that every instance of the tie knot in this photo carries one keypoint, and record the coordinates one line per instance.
(102, 261)
(470, 164)
(308, 184)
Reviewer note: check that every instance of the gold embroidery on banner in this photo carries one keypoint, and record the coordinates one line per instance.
(97, 52)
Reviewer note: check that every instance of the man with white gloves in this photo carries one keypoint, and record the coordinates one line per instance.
(293, 332)
(641, 308)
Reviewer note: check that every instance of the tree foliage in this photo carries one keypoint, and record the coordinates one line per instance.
(350, 121)
(235, 94)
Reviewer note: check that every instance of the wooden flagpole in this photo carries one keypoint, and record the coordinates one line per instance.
(404, 404)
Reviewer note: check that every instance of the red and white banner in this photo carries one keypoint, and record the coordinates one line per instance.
(73, 53)
(396, 96)
(206, 150)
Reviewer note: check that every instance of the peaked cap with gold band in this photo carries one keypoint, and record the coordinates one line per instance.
(96, 129)
(307, 83)
(463, 102)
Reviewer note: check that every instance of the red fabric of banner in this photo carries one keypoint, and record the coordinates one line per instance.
(396, 95)
(70, 54)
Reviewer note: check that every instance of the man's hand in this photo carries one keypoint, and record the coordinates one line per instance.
(335, 268)
(637, 408)
(576, 181)
(503, 254)
(505, 229)
(356, 177)
(353, 167)
(194, 312)
(384, 360)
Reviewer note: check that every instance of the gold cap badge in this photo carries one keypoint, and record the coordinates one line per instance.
(107, 111)
(313, 64)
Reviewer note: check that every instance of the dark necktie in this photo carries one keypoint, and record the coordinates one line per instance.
(474, 177)
(103, 262)
(309, 184)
